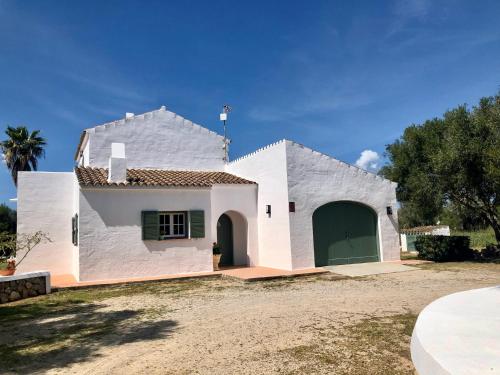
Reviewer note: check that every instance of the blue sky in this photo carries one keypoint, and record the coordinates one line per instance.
(340, 77)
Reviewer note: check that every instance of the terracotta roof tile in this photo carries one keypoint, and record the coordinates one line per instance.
(156, 177)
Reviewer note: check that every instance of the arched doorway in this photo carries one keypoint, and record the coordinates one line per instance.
(344, 232)
(225, 240)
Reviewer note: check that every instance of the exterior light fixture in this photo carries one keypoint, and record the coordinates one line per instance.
(291, 206)
(268, 210)
(389, 210)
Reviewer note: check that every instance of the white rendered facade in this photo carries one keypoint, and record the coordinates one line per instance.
(110, 245)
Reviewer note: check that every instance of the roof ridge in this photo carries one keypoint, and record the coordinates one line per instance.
(93, 176)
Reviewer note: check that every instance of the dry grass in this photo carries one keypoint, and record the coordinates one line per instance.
(378, 344)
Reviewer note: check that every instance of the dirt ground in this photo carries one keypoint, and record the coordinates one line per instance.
(314, 325)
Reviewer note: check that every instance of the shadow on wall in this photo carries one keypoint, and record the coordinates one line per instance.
(394, 222)
(38, 337)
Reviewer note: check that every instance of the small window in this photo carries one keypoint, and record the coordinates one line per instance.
(172, 225)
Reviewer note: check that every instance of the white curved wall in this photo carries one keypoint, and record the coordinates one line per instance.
(459, 334)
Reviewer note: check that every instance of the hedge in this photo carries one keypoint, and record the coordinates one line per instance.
(444, 248)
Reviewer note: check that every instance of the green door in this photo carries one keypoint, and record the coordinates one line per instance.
(344, 232)
(225, 239)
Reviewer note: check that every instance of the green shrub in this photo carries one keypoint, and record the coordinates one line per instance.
(491, 253)
(7, 245)
(216, 249)
(444, 248)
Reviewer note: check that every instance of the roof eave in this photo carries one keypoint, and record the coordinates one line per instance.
(81, 144)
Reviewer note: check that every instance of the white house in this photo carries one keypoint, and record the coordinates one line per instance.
(151, 193)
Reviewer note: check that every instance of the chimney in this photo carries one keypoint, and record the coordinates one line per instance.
(117, 171)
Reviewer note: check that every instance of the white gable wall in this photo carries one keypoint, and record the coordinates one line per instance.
(315, 179)
(157, 140)
(267, 167)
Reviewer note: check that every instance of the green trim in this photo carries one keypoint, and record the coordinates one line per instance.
(150, 221)
(197, 224)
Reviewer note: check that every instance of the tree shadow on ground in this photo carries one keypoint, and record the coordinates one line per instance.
(38, 337)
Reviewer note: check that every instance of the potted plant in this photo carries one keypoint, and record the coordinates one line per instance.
(10, 246)
(216, 255)
(7, 254)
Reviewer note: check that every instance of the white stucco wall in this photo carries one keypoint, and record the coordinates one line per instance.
(239, 202)
(315, 179)
(111, 245)
(157, 140)
(267, 167)
(45, 203)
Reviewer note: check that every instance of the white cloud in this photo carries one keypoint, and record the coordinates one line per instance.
(3, 159)
(368, 160)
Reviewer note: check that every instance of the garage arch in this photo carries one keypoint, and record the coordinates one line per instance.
(345, 232)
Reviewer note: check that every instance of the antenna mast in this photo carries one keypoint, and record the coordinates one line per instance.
(223, 117)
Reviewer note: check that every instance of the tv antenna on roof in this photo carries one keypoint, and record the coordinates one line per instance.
(223, 117)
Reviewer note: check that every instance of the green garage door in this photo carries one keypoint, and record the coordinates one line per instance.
(344, 232)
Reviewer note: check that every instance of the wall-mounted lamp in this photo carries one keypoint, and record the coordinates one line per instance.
(389, 210)
(268, 210)
(291, 206)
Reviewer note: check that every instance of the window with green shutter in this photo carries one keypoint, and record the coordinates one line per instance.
(74, 230)
(150, 225)
(197, 223)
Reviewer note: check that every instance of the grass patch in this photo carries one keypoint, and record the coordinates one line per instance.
(459, 266)
(478, 239)
(407, 255)
(378, 345)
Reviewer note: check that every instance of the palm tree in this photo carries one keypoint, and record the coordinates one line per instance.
(22, 150)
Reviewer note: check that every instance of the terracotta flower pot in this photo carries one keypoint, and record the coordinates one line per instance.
(7, 272)
(216, 260)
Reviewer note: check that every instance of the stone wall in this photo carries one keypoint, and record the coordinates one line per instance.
(13, 288)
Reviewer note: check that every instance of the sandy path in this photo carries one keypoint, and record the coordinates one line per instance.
(244, 328)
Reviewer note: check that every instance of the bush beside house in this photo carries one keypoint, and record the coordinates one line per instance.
(454, 249)
(444, 248)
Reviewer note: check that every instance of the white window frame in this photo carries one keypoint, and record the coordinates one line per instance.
(171, 224)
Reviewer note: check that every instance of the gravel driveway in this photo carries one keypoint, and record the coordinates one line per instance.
(315, 325)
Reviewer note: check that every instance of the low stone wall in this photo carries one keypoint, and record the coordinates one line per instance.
(16, 287)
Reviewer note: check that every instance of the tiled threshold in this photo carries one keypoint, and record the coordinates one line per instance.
(242, 273)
